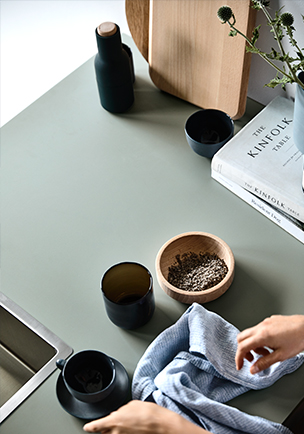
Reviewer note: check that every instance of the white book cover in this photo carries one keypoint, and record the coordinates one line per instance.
(290, 225)
(263, 159)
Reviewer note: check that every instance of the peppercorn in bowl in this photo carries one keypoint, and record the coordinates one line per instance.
(195, 267)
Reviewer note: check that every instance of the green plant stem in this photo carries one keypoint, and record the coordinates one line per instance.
(261, 54)
(270, 21)
(294, 43)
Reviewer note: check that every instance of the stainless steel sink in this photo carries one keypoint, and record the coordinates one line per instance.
(28, 354)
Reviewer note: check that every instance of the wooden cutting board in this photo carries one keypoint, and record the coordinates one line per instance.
(189, 51)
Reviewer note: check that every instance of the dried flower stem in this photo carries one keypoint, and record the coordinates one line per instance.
(279, 24)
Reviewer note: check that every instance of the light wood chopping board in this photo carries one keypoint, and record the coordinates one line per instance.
(189, 51)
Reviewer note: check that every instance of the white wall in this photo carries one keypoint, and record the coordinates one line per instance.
(43, 41)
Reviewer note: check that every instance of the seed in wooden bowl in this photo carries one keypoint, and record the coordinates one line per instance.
(197, 271)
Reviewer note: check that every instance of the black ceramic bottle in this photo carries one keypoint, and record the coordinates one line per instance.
(113, 70)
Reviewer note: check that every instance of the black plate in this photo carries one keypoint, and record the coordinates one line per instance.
(83, 410)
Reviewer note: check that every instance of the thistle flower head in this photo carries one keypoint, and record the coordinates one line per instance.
(257, 4)
(224, 13)
(287, 66)
(287, 19)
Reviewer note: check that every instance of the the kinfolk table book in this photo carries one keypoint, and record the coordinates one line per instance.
(291, 225)
(263, 159)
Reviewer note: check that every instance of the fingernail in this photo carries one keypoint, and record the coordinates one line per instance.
(254, 369)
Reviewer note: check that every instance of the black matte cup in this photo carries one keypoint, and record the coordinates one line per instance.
(127, 290)
(89, 375)
(208, 130)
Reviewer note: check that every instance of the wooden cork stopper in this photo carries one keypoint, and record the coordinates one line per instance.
(107, 29)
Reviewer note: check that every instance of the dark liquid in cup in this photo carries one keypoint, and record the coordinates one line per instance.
(91, 380)
(130, 298)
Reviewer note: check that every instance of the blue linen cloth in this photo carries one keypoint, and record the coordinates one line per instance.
(190, 369)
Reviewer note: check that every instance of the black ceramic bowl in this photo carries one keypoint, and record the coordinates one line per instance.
(208, 130)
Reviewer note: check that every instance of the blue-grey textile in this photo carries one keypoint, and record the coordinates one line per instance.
(190, 369)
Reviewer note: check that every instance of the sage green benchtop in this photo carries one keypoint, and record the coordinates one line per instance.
(83, 189)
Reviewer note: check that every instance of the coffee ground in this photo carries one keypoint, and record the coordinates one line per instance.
(197, 272)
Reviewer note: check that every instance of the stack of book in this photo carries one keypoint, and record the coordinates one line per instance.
(262, 166)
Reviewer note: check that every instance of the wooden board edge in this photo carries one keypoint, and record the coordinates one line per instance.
(137, 14)
(246, 68)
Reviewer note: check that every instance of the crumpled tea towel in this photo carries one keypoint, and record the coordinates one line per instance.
(190, 369)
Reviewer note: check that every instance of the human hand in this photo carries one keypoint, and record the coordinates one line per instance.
(284, 335)
(138, 417)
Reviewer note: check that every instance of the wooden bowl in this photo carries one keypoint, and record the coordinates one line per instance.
(195, 242)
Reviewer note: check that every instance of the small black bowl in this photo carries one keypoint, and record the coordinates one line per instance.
(208, 130)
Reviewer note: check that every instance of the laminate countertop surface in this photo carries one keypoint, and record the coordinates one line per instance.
(83, 189)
